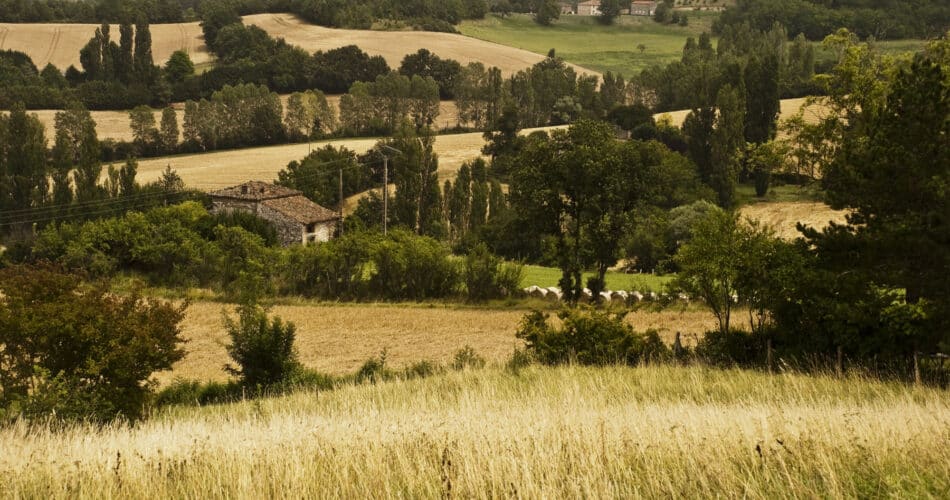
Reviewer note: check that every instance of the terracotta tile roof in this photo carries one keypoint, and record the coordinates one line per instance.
(301, 209)
(256, 191)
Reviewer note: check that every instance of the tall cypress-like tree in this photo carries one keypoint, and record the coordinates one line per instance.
(169, 130)
(727, 138)
(123, 62)
(24, 175)
(762, 98)
(143, 63)
(77, 147)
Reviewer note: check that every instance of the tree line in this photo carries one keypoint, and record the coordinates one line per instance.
(816, 19)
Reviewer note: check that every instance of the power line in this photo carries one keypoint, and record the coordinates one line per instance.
(50, 213)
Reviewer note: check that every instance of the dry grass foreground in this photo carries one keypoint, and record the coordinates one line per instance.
(647, 432)
(339, 338)
(60, 43)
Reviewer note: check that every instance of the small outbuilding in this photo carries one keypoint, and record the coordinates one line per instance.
(640, 8)
(297, 219)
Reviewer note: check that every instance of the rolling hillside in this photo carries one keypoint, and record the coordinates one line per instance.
(60, 43)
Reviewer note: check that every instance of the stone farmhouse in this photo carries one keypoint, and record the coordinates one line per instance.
(297, 219)
(566, 8)
(589, 8)
(640, 8)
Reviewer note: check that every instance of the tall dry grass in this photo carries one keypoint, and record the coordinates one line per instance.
(542, 433)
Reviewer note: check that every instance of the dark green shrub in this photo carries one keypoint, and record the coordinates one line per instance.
(412, 267)
(332, 270)
(191, 392)
(488, 277)
(588, 337)
(422, 369)
(466, 358)
(736, 348)
(520, 358)
(263, 348)
(374, 370)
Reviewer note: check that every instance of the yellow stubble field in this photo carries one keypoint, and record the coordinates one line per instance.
(339, 338)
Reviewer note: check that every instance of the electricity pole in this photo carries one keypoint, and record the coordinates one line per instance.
(386, 182)
(385, 193)
(341, 199)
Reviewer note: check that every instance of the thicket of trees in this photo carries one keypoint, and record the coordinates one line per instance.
(881, 19)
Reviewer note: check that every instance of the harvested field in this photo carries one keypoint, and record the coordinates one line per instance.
(227, 168)
(782, 216)
(338, 338)
(394, 45)
(60, 43)
(788, 109)
(115, 124)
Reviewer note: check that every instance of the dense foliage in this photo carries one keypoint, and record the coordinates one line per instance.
(588, 338)
(79, 351)
(881, 19)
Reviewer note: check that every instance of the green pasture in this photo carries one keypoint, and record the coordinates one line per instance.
(549, 276)
(582, 41)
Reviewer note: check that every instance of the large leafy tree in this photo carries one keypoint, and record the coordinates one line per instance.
(579, 187)
(894, 177)
(80, 352)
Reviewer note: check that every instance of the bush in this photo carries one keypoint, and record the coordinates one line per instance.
(80, 352)
(263, 348)
(191, 393)
(588, 337)
(466, 357)
(488, 277)
(412, 267)
(736, 348)
(422, 369)
(374, 370)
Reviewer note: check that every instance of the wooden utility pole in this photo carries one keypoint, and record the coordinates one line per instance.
(386, 182)
(341, 199)
(385, 192)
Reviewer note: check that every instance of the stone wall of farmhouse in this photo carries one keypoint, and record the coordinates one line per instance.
(289, 231)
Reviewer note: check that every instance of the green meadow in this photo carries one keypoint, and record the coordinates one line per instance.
(582, 41)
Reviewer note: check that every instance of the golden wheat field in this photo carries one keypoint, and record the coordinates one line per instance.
(783, 216)
(394, 45)
(59, 44)
(570, 432)
(339, 338)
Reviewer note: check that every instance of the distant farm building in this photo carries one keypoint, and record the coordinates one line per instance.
(566, 8)
(643, 8)
(297, 219)
(589, 8)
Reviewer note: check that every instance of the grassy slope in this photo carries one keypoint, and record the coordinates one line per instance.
(580, 40)
(542, 433)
